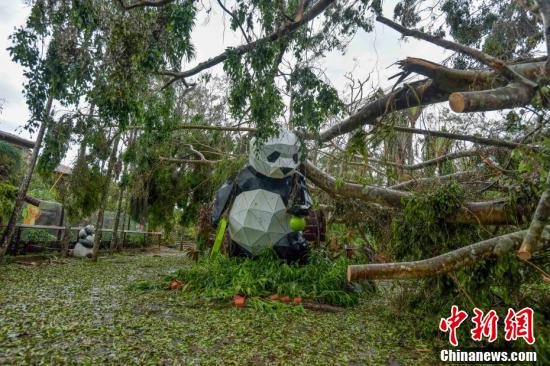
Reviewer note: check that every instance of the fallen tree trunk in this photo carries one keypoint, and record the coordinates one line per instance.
(493, 212)
(444, 263)
(509, 96)
(541, 218)
(442, 83)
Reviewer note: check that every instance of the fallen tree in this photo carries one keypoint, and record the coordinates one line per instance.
(445, 263)
(493, 212)
(442, 82)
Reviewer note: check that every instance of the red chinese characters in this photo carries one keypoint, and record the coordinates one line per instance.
(451, 323)
(485, 326)
(519, 325)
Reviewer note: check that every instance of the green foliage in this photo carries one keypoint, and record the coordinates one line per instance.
(37, 236)
(313, 100)
(10, 161)
(222, 277)
(8, 193)
(422, 230)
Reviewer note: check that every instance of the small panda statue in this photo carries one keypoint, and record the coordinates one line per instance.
(85, 242)
(262, 199)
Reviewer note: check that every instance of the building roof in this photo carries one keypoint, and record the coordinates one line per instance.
(16, 140)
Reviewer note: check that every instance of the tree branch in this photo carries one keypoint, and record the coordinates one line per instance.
(443, 82)
(544, 8)
(203, 127)
(493, 212)
(541, 218)
(145, 3)
(188, 161)
(439, 159)
(482, 57)
(317, 9)
(457, 136)
(444, 263)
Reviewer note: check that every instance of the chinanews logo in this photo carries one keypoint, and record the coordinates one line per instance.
(517, 325)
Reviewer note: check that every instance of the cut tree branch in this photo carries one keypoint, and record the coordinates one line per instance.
(442, 83)
(445, 263)
(315, 10)
(509, 96)
(482, 57)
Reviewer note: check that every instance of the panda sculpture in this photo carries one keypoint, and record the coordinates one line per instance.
(85, 243)
(263, 197)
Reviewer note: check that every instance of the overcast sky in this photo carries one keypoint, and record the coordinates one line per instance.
(368, 53)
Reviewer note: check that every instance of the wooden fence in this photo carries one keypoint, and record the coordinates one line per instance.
(149, 237)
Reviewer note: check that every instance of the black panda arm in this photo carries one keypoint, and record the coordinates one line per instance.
(223, 197)
(300, 200)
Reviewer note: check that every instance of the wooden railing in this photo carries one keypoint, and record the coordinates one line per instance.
(147, 235)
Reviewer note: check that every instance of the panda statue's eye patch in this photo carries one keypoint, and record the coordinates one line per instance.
(273, 156)
(295, 158)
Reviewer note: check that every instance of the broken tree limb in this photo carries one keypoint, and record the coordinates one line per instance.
(493, 212)
(288, 28)
(509, 96)
(482, 57)
(541, 218)
(442, 83)
(445, 263)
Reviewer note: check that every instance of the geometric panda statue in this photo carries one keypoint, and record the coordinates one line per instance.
(85, 243)
(262, 198)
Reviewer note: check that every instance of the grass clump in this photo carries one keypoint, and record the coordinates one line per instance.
(322, 279)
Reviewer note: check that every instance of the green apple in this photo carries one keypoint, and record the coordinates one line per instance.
(297, 223)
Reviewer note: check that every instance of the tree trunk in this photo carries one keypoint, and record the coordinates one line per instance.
(104, 196)
(444, 263)
(114, 239)
(541, 218)
(24, 186)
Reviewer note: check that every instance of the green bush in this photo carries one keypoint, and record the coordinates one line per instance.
(322, 279)
(7, 200)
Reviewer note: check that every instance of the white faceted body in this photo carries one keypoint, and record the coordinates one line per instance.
(258, 219)
(81, 251)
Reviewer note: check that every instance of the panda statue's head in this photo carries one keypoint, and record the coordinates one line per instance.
(278, 157)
